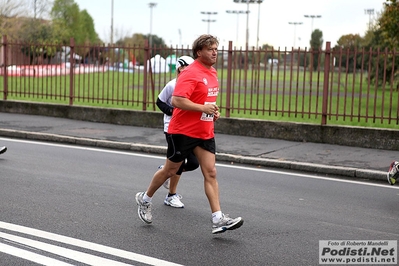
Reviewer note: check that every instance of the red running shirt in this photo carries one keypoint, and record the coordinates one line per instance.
(200, 85)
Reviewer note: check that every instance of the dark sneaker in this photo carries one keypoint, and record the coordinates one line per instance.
(3, 149)
(174, 201)
(226, 223)
(393, 173)
(144, 208)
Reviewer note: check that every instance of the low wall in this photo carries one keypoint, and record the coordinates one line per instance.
(387, 139)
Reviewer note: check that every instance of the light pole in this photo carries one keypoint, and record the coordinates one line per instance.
(312, 17)
(247, 31)
(257, 31)
(151, 5)
(369, 12)
(209, 20)
(238, 12)
(295, 23)
(180, 37)
(112, 22)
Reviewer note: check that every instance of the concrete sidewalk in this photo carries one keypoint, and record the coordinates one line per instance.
(351, 162)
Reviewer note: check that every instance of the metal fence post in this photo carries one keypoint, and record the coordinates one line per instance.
(327, 60)
(147, 67)
(228, 84)
(71, 70)
(5, 79)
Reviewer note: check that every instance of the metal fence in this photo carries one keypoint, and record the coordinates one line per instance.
(335, 86)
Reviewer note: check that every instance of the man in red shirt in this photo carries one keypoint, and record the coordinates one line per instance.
(191, 129)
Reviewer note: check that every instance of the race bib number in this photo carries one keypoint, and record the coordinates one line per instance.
(205, 116)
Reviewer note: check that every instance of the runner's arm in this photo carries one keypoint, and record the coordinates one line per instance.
(164, 107)
(186, 104)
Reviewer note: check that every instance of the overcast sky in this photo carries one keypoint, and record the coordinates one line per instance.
(179, 22)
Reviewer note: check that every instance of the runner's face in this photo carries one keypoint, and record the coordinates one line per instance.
(208, 55)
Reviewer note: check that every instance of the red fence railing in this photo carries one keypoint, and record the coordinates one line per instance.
(350, 87)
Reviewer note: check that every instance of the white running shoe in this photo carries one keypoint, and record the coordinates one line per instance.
(226, 223)
(144, 208)
(174, 201)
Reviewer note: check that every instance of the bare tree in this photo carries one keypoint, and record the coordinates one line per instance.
(10, 10)
(41, 8)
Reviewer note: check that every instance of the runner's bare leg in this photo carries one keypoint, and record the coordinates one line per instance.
(169, 169)
(207, 161)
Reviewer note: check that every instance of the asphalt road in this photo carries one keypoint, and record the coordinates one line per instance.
(81, 202)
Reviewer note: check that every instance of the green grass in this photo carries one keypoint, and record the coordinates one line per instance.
(280, 96)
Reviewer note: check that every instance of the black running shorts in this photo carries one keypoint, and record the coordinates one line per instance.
(180, 146)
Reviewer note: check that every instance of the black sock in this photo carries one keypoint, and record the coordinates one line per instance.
(171, 194)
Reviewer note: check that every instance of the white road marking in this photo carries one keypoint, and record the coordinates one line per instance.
(74, 146)
(314, 176)
(310, 176)
(60, 251)
(75, 255)
(31, 256)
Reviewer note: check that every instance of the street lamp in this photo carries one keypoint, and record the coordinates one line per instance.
(151, 5)
(209, 20)
(257, 31)
(247, 31)
(369, 12)
(112, 22)
(238, 12)
(179, 37)
(295, 23)
(312, 17)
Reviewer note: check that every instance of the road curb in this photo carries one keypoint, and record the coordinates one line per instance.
(354, 173)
